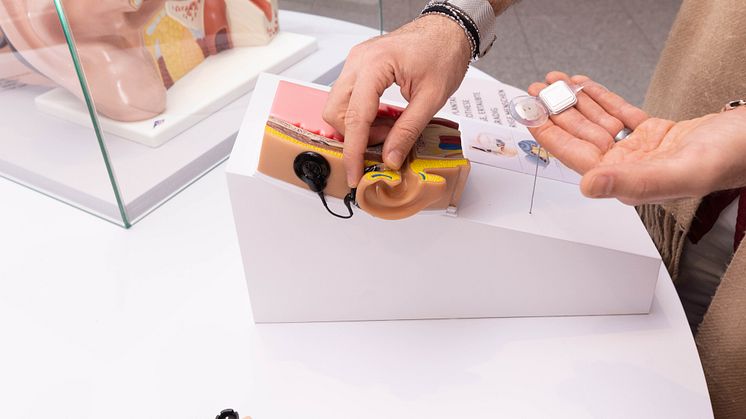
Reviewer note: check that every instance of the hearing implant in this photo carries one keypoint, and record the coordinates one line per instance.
(534, 111)
(314, 170)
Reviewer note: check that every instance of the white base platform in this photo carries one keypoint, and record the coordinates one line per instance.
(62, 159)
(493, 259)
(212, 85)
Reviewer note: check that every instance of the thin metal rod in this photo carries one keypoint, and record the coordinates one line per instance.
(536, 176)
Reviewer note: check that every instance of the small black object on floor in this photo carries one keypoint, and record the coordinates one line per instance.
(227, 414)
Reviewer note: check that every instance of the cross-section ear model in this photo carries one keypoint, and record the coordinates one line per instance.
(431, 179)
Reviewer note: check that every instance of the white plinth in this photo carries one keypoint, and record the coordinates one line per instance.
(209, 87)
(572, 256)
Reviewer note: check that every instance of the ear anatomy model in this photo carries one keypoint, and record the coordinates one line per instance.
(432, 177)
(185, 32)
(132, 50)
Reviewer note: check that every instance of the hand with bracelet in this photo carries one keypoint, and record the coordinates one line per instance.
(427, 58)
(659, 161)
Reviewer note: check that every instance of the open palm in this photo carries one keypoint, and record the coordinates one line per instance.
(659, 161)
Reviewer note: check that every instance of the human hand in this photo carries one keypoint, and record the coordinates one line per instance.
(427, 58)
(661, 160)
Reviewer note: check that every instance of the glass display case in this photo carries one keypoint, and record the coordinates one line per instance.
(114, 106)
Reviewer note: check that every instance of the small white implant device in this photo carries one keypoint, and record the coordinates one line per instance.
(554, 99)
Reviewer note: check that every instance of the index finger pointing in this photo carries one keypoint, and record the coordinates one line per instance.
(408, 127)
(339, 96)
(361, 112)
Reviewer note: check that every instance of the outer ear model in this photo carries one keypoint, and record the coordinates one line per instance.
(433, 176)
(422, 184)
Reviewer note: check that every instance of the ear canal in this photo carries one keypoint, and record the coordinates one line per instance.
(217, 33)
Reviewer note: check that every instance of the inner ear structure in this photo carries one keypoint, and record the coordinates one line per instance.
(432, 177)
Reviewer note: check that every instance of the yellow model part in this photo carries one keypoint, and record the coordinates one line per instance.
(422, 166)
(167, 38)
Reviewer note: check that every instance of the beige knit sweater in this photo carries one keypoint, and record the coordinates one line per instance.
(702, 67)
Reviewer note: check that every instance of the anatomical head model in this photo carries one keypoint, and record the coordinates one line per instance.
(132, 50)
(432, 177)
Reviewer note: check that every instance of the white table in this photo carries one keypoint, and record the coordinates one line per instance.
(100, 322)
